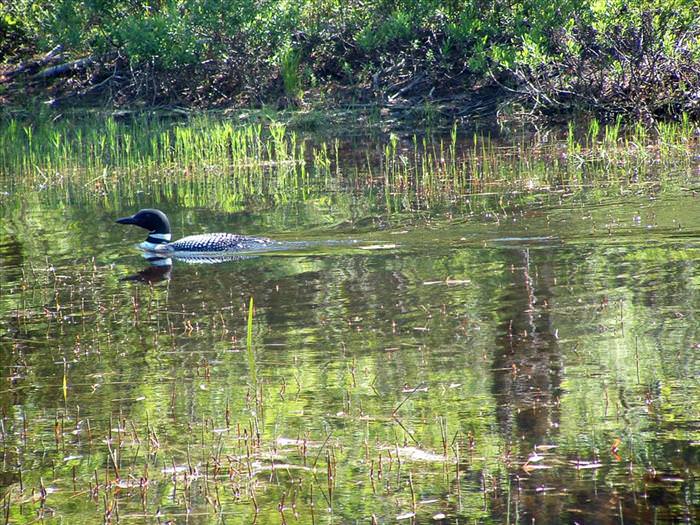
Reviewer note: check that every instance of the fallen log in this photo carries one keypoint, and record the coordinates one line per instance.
(33, 65)
(62, 69)
(416, 80)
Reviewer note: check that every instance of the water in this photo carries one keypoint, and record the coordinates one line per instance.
(534, 360)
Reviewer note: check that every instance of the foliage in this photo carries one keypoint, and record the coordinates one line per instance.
(289, 67)
(12, 34)
(638, 57)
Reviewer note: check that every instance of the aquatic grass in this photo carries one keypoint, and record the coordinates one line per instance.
(249, 346)
(241, 163)
(141, 143)
(593, 130)
(612, 133)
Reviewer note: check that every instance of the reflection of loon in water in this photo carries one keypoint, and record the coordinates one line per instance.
(190, 248)
(159, 270)
(160, 267)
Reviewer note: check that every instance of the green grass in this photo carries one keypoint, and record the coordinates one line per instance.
(240, 162)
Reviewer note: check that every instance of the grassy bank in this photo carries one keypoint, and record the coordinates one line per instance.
(502, 58)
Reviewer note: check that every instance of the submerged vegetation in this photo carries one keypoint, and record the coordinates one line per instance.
(639, 58)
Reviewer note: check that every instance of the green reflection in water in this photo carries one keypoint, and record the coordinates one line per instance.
(523, 349)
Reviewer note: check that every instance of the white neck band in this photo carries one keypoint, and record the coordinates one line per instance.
(160, 236)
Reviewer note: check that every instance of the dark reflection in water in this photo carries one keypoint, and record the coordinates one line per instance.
(527, 387)
(527, 376)
(158, 269)
(528, 363)
(530, 369)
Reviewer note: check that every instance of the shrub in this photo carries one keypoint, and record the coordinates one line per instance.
(13, 38)
(612, 56)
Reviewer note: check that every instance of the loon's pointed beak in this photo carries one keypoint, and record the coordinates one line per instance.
(126, 220)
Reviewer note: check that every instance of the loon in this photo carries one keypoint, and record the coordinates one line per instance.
(158, 240)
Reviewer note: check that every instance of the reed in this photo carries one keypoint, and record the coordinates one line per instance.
(203, 155)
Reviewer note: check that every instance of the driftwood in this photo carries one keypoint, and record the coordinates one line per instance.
(416, 80)
(61, 69)
(33, 65)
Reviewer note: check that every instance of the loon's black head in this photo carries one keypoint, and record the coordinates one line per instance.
(155, 221)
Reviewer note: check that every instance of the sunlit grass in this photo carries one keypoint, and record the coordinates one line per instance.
(237, 162)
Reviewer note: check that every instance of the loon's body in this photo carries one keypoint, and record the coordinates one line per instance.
(158, 240)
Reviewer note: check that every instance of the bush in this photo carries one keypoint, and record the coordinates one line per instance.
(13, 39)
(616, 57)
(613, 56)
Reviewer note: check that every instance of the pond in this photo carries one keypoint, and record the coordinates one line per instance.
(462, 331)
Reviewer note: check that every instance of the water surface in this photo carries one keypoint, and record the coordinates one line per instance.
(505, 356)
